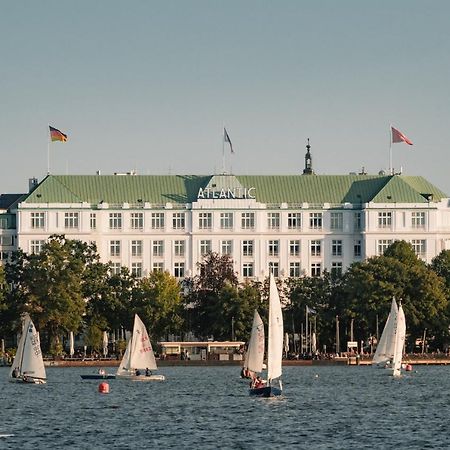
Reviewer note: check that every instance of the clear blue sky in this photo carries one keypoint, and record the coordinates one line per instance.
(149, 85)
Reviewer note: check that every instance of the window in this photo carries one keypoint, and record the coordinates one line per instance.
(336, 221)
(179, 248)
(178, 270)
(294, 248)
(357, 221)
(315, 269)
(205, 247)
(178, 221)
(226, 247)
(158, 267)
(418, 220)
(157, 221)
(336, 248)
(136, 269)
(205, 221)
(384, 219)
(294, 269)
(38, 220)
(115, 268)
(294, 221)
(274, 268)
(420, 247)
(273, 221)
(248, 221)
(3, 224)
(93, 221)
(36, 246)
(137, 221)
(114, 248)
(315, 221)
(71, 220)
(247, 248)
(115, 221)
(382, 245)
(336, 269)
(158, 248)
(6, 240)
(357, 249)
(136, 248)
(273, 248)
(247, 270)
(316, 249)
(226, 221)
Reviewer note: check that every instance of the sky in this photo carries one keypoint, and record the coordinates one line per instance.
(149, 85)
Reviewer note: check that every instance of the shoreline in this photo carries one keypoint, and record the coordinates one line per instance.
(342, 361)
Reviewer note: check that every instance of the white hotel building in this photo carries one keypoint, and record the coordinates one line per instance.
(293, 224)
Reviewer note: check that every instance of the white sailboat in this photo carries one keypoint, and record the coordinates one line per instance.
(138, 360)
(254, 357)
(399, 343)
(273, 386)
(385, 347)
(28, 365)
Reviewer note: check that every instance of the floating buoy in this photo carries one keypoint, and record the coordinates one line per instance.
(408, 367)
(103, 388)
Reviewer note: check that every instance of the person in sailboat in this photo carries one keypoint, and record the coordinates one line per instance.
(148, 372)
(15, 373)
(137, 372)
(258, 383)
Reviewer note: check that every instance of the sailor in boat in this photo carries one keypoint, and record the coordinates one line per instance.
(257, 383)
(148, 372)
(101, 372)
(137, 372)
(15, 373)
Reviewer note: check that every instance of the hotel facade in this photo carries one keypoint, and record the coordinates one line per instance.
(293, 225)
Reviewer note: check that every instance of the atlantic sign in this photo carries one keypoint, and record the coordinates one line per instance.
(226, 193)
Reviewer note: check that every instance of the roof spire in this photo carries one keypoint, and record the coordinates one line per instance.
(308, 161)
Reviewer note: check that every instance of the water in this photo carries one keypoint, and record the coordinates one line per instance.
(209, 407)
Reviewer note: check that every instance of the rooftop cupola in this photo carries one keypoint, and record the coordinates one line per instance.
(308, 161)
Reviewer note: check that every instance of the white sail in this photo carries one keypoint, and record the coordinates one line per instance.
(28, 360)
(399, 344)
(255, 353)
(275, 344)
(385, 348)
(139, 353)
(124, 366)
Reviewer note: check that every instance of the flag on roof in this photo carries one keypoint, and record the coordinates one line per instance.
(397, 136)
(56, 135)
(226, 138)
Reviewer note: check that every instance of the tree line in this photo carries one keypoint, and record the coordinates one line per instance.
(65, 288)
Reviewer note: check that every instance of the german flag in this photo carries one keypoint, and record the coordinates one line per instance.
(56, 135)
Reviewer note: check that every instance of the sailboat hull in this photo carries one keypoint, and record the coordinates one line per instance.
(266, 391)
(28, 380)
(141, 377)
(96, 376)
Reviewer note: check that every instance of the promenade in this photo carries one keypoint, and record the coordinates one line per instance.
(341, 361)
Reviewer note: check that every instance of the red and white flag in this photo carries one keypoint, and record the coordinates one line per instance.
(398, 136)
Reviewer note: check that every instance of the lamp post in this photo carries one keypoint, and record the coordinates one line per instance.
(232, 328)
(338, 345)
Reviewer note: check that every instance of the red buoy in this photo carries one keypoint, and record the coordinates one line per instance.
(103, 388)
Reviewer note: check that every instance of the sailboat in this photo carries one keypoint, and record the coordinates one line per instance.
(28, 365)
(385, 347)
(399, 343)
(254, 357)
(275, 347)
(138, 360)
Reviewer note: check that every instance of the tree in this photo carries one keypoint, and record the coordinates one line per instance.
(48, 285)
(157, 300)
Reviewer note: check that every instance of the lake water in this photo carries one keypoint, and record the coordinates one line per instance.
(209, 407)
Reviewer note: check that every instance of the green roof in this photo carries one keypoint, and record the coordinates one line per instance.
(272, 189)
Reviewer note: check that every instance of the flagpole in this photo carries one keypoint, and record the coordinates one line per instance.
(223, 149)
(390, 151)
(48, 149)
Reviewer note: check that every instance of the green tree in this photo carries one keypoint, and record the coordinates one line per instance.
(157, 299)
